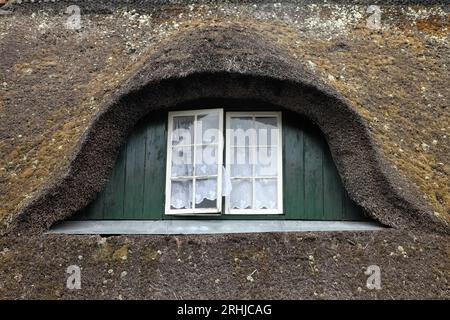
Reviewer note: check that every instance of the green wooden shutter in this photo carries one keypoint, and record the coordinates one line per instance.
(312, 188)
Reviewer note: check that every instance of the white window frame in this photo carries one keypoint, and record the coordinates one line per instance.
(220, 145)
(279, 209)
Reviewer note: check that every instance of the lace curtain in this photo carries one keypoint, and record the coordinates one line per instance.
(253, 168)
(194, 134)
(254, 164)
(240, 193)
(265, 194)
(204, 189)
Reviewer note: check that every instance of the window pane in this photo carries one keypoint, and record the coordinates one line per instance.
(206, 193)
(182, 161)
(266, 193)
(240, 162)
(266, 161)
(241, 131)
(266, 130)
(183, 130)
(208, 128)
(241, 194)
(206, 160)
(266, 122)
(181, 195)
(195, 150)
(254, 160)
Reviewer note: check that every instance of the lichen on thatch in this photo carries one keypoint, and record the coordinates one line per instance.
(54, 81)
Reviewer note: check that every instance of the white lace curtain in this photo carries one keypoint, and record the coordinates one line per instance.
(265, 194)
(253, 171)
(240, 193)
(203, 142)
(205, 189)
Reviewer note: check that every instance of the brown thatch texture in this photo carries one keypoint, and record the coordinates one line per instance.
(53, 80)
(250, 266)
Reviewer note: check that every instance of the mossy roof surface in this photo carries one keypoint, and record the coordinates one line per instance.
(53, 80)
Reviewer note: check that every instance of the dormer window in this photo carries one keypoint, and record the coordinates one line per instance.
(224, 163)
(250, 179)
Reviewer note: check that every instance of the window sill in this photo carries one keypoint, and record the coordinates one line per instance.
(165, 227)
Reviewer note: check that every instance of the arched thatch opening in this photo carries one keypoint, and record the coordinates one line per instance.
(234, 64)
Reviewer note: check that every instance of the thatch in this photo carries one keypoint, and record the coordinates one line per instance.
(54, 80)
(70, 96)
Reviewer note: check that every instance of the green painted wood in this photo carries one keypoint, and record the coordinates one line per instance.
(155, 168)
(114, 192)
(332, 189)
(134, 174)
(136, 187)
(293, 168)
(312, 188)
(350, 210)
(95, 209)
(313, 158)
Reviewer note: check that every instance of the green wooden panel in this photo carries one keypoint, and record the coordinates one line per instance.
(136, 187)
(114, 192)
(95, 209)
(313, 158)
(332, 189)
(134, 174)
(312, 188)
(155, 168)
(350, 210)
(293, 169)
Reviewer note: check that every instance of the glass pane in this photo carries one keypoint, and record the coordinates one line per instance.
(206, 193)
(182, 161)
(266, 122)
(181, 195)
(266, 193)
(240, 162)
(266, 130)
(206, 160)
(266, 161)
(241, 131)
(207, 204)
(208, 128)
(183, 130)
(241, 194)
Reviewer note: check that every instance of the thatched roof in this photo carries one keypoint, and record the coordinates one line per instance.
(69, 97)
(55, 81)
